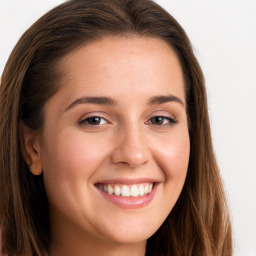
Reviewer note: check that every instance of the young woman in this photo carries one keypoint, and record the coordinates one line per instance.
(105, 139)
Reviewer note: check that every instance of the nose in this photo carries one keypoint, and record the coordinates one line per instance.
(131, 148)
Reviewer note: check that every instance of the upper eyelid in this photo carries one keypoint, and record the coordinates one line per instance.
(83, 119)
(162, 113)
(94, 114)
(171, 119)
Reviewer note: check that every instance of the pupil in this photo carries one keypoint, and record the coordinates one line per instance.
(157, 120)
(94, 120)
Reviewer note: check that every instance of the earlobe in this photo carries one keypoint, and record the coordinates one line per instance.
(30, 149)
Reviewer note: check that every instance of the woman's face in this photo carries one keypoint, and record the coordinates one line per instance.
(117, 127)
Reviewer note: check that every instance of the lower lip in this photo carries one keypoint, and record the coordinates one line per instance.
(129, 202)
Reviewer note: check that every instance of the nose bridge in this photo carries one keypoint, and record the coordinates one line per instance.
(132, 146)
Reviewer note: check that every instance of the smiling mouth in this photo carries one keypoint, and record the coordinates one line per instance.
(131, 190)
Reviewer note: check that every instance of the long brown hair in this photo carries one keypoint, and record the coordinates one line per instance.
(199, 223)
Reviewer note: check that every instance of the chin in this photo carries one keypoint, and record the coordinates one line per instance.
(130, 231)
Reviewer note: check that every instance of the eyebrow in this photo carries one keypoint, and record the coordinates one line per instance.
(93, 100)
(161, 99)
(155, 100)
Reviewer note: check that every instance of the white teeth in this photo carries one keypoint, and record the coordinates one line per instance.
(110, 189)
(134, 190)
(127, 190)
(117, 190)
(150, 188)
(141, 189)
(146, 189)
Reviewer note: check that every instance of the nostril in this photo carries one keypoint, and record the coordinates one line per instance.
(132, 156)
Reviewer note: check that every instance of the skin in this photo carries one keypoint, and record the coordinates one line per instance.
(126, 144)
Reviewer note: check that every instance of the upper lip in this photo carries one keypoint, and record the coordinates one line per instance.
(128, 181)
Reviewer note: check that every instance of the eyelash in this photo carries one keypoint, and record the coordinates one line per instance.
(88, 119)
(170, 121)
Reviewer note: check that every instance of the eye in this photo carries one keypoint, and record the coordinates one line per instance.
(93, 120)
(162, 120)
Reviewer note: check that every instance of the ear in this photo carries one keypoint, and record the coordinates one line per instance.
(30, 149)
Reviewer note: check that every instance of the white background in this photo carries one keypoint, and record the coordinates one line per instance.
(223, 33)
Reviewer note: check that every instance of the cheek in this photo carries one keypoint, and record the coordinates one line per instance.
(174, 156)
(70, 161)
(71, 153)
(69, 164)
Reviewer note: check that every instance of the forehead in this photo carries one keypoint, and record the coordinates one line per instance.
(126, 65)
